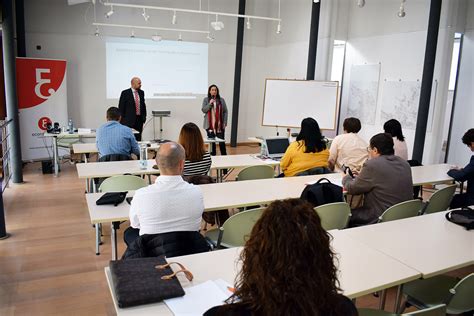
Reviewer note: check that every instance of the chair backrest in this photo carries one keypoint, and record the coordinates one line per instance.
(401, 210)
(440, 200)
(314, 171)
(437, 310)
(334, 215)
(237, 227)
(256, 172)
(462, 296)
(122, 183)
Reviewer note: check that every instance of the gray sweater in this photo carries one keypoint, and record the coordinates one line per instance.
(384, 181)
(206, 107)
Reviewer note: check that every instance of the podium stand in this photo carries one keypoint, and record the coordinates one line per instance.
(161, 115)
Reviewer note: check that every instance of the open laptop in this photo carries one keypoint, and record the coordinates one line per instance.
(276, 146)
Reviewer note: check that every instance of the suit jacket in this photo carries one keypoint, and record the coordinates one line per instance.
(384, 181)
(127, 107)
(465, 174)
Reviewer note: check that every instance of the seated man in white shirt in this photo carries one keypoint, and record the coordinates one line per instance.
(170, 204)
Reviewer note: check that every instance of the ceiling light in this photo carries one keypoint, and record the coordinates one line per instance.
(97, 33)
(217, 25)
(278, 28)
(180, 37)
(360, 3)
(156, 38)
(249, 26)
(109, 14)
(133, 34)
(401, 11)
(174, 20)
(145, 16)
(210, 38)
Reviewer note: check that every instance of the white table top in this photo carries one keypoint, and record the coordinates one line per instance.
(233, 194)
(362, 270)
(67, 135)
(427, 243)
(108, 169)
(431, 174)
(112, 168)
(91, 148)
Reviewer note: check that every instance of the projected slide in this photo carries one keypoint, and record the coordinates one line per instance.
(168, 69)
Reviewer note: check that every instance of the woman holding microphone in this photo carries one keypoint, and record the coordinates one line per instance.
(215, 117)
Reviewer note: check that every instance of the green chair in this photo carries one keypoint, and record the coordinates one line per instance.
(334, 215)
(256, 172)
(438, 310)
(458, 295)
(401, 210)
(235, 229)
(440, 200)
(122, 183)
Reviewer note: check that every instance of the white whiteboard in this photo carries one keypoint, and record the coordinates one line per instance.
(288, 102)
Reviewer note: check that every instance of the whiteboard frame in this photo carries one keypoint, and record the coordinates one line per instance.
(299, 126)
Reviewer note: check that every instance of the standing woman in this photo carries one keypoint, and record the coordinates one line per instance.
(198, 160)
(394, 128)
(215, 117)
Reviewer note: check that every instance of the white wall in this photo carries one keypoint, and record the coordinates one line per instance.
(463, 117)
(64, 32)
(376, 34)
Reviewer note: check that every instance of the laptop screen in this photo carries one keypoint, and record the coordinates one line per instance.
(277, 146)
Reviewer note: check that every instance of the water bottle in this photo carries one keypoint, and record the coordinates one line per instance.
(263, 149)
(70, 126)
(143, 156)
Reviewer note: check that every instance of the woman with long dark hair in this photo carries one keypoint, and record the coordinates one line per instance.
(394, 128)
(198, 160)
(215, 117)
(308, 152)
(287, 267)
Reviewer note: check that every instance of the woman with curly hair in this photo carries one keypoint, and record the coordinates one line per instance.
(287, 267)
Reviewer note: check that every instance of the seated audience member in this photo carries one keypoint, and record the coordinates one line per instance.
(385, 180)
(287, 267)
(114, 138)
(465, 174)
(170, 204)
(394, 128)
(198, 160)
(348, 149)
(307, 152)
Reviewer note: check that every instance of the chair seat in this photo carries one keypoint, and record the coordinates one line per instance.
(429, 292)
(373, 312)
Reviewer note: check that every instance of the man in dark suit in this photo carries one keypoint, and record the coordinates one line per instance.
(133, 108)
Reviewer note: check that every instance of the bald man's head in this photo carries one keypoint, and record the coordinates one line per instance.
(136, 83)
(170, 158)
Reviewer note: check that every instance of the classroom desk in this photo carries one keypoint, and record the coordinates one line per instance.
(362, 270)
(63, 135)
(429, 243)
(91, 148)
(235, 194)
(107, 169)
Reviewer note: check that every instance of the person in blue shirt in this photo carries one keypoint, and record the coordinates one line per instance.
(465, 174)
(113, 138)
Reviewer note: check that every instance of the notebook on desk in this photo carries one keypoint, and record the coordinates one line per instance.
(276, 147)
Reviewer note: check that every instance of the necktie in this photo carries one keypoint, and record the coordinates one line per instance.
(137, 103)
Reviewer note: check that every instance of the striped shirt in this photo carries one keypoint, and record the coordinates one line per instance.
(115, 138)
(198, 168)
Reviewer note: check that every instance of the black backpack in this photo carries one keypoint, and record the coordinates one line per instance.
(322, 193)
(463, 217)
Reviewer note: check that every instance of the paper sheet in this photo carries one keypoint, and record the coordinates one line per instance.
(199, 298)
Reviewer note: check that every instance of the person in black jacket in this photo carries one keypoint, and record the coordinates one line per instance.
(133, 108)
(465, 174)
(287, 267)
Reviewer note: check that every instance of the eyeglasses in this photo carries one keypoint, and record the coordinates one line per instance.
(369, 149)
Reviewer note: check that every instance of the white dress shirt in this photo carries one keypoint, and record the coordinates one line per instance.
(168, 205)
